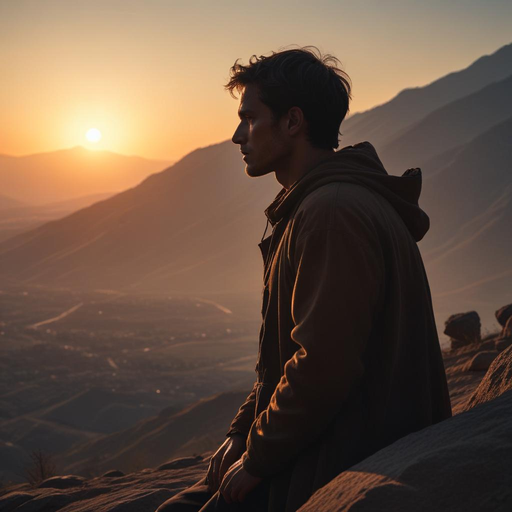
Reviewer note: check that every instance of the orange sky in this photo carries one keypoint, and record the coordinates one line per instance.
(150, 74)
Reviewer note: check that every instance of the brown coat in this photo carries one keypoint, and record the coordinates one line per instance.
(349, 358)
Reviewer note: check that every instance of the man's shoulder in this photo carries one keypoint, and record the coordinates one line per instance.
(333, 192)
(323, 205)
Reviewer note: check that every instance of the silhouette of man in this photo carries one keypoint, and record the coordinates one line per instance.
(349, 359)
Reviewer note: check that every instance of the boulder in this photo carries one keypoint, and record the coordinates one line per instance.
(463, 463)
(183, 462)
(503, 314)
(481, 361)
(62, 482)
(507, 329)
(496, 381)
(464, 327)
(113, 473)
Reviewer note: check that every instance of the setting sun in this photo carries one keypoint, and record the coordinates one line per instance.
(93, 135)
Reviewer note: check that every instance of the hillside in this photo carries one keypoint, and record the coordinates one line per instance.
(450, 126)
(193, 227)
(467, 251)
(70, 173)
(18, 218)
(196, 429)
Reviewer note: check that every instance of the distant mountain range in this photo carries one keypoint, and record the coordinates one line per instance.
(191, 228)
(71, 173)
(195, 226)
(383, 123)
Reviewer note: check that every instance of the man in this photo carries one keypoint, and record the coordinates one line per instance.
(349, 360)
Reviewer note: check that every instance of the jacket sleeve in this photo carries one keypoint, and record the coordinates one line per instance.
(339, 274)
(243, 420)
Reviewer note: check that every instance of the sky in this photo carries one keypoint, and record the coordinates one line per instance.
(150, 74)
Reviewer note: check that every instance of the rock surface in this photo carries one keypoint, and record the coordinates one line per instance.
(62, 482)
(461, 382)
(143, 491)
(464, 463)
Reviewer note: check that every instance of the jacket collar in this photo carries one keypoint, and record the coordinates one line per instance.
(358, 164)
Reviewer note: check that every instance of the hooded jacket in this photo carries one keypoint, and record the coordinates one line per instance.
(349, 358)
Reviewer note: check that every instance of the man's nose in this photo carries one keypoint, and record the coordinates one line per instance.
(238, 137)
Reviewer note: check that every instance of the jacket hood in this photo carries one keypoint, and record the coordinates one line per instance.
(359, 164)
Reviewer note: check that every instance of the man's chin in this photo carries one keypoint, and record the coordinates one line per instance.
(254, 172)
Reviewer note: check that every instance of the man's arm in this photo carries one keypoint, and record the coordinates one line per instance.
(339, 277)
(243, 420)
(233, 447)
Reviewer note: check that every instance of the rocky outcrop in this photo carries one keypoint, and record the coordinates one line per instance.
(464, 463)
(463, 329)
(143, 491)
(497, 381)
(503, 314)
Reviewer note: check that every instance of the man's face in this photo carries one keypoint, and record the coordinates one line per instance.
(261, 139)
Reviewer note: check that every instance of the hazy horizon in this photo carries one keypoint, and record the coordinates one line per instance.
(150, 76)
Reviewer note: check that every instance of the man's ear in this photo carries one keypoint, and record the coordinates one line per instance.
(295, 120)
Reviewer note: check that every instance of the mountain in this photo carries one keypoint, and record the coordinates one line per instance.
(9, 202)
(71, 173)
(19, 217)
(193, 227)
(450, 126)
(381, 124)
(198, 428)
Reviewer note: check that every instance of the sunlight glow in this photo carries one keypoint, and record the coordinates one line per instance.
(93, 135)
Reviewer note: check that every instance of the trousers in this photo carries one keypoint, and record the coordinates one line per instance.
(198, 498)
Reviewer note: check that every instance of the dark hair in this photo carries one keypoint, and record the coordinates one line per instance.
(299, 78)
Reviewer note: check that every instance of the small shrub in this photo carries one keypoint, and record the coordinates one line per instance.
(41, 468)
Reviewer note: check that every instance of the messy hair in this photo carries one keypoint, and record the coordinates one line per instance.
(301, 78)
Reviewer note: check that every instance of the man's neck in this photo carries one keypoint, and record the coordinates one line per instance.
(300, 163)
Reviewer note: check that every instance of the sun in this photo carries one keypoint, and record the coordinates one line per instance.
(93, 135)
